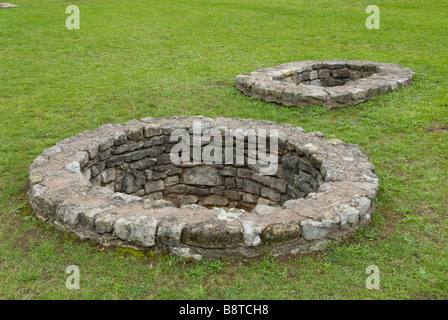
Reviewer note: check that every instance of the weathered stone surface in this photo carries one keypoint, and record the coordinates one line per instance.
(142, 164)
(154, 186)
(230, 172)
(108, 175)
(364, 205)
(105, 143)
(193, 207)
(229, 214)
(124, 199)
(280, 233)
(178, 188)
(188, 199)
(170, 231)
(312, 230)
(270, 194)
(50, 152)
(73, 167)
(36, 177)
(139, 230)
(291, 203)
(251, 233)
(129, 181)
(232, 195)
(97, 169)
(151, 130)
(87, 217)
(154, 196)
(206, 176)
(171, 180)
(115, 161)
(250, 198)
(69, 214)
(263, 210)
(185, 253)
(215, 200)
(80, 156)
(213, 234)
(39, 162)
(251, 187)
(157, 204)
(104, 224)
(347, 214)
(135, 133)
(120, 138)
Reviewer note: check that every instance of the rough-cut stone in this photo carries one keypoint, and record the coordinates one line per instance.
(271, 194)
(124, 199)
(157, 204)
(291, 203)
(251, 187)
(263, 210)
(108, 175)
(73, 167)
(188, 199)
(213, 234)
(185, 253)
(87, 217)
(69, 214)
(347, 214)
(250, 198)
(36, 177)
(312, 230)
(154, 186)
(139, 230)
(104, 224)
(170, 231)
(215, 200)
(280, 233)
(151, 130)
(229, 214)
(135, 133)
(206, 176)
(115, 161)
(251, 233)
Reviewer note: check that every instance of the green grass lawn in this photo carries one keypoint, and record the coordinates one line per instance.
(137, 58)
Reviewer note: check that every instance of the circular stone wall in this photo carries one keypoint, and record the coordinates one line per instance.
(332, 83)
(121, 185)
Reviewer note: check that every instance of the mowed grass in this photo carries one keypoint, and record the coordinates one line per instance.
(133, 59)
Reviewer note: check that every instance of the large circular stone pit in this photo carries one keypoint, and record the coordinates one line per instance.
(120, 185)
(332, 83)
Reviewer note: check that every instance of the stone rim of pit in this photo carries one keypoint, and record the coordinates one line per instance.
(331, 83)
(62, 193)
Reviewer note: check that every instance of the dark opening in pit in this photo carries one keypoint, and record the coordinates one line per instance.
(333, 75)
(144, 168)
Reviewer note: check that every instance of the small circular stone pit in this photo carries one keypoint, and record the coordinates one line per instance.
(122, 185)
(332, 83)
